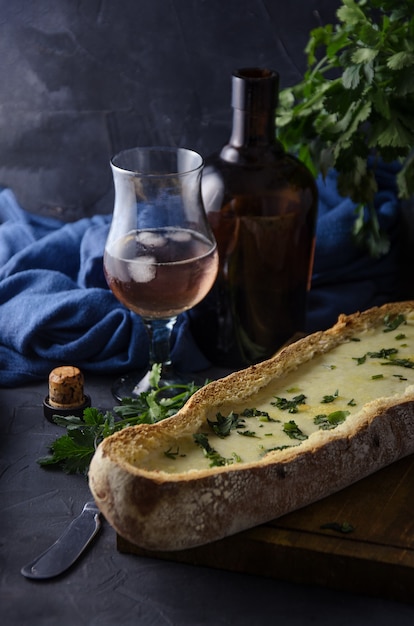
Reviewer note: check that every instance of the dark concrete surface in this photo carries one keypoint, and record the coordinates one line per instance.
(107, 588)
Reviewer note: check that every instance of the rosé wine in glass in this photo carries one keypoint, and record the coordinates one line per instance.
(161, 273)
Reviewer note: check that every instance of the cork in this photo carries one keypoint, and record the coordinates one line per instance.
(66, 394)
(66, 387)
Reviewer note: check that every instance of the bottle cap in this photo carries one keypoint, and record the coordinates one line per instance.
(255, 89)
(66, 396)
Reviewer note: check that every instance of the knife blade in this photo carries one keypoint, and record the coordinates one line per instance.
(67, 549)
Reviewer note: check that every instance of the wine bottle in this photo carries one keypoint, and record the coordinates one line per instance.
(261, 204)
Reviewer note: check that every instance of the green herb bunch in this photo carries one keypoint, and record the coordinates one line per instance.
(356, 101)
(73, 451)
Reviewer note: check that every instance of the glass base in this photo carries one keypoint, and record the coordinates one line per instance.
(133, 384)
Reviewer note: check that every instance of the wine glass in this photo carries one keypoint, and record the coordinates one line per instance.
(160, 256)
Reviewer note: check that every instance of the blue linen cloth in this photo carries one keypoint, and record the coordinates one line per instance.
(345, 277)
(55, 305)
(56, 308)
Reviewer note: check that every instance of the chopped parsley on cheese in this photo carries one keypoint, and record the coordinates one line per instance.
(320, 394)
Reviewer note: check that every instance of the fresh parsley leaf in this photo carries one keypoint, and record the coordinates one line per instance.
(329, 398)
(360, 359)
(246, 433)
(408, 363)
(173, 454)
(71, 453)
(277, 448)
(330, 421)
(345, 527)
(400, 377)
(293, 431)
(391, 323)
(355, 100)
(215, 458)
(384, 353)
(255, 413)
(225, 423)
(289, 405)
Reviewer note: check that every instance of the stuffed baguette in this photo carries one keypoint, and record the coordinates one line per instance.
(323, 413)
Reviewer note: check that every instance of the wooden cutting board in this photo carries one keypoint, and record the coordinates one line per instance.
(375, 558)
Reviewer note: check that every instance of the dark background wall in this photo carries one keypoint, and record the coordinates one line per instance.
(82, 79)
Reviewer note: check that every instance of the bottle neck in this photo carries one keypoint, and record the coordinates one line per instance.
(254, 101)
(258, 129)
(252, 138)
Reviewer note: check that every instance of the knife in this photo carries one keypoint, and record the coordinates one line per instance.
(70, 545)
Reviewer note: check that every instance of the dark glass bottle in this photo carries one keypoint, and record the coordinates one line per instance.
(261, 204)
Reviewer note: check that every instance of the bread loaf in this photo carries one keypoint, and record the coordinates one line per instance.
(323, 413)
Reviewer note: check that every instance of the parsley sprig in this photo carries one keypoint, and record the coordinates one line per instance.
(226, 423)
(73, 451)
(356, 101)
(330, 420)
(289, 405)
(344, 527)
(215, 458)
(293, 431)
(392, 323)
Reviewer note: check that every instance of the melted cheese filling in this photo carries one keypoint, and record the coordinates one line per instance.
(335, 385)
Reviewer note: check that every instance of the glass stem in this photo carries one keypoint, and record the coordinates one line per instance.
(159, 332)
